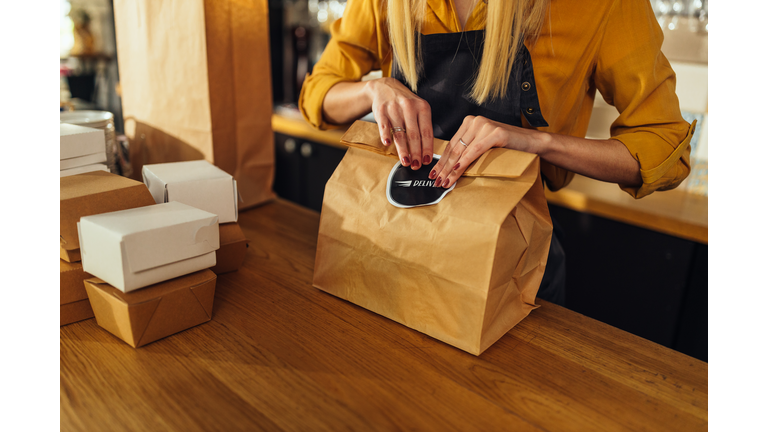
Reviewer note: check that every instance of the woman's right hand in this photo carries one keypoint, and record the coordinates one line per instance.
(396, 106)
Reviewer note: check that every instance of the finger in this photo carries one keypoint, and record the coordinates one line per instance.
(469, 155)
(427, 137)
(486, 138)
(436, 172)
(399, 138)
(414, 136)
(385, 127)
(453, 163)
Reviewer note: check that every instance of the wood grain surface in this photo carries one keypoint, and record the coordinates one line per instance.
(675, 212)
(282, 355)
(298, 127)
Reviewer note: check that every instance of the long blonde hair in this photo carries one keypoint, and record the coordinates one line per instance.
(508, 23)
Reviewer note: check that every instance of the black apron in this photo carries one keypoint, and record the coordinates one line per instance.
(450, 62)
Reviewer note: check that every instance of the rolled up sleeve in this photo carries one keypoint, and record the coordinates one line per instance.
(352, 52)
(633, 75)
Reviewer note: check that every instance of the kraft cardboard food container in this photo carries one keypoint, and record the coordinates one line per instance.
(232, 248)
(197, 183)
(135, 248)
(146, 315)
(464, 271)
(93, 193)
(74, 304)
(71, 313)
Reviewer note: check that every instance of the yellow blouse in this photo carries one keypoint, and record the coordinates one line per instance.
(610, 45)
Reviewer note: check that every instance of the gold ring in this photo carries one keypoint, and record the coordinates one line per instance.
(397, 129)
(463, 143)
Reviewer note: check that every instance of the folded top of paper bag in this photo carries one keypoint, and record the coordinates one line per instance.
(496, 162)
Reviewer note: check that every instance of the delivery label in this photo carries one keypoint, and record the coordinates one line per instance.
(408, 188)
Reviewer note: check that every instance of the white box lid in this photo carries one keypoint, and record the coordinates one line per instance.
(77, 141)
(83, 169)
(157, 235)
(81, 161)
(197, 183)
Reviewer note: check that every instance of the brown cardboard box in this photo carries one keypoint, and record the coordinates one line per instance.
(148, 314)
(73, 298)
(71, 256)
(94, 193)
(232, 247)
(74, 312)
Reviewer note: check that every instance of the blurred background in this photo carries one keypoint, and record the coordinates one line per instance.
(299, 31)
(639, 265)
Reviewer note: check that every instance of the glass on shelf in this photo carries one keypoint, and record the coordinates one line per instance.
(691, 15)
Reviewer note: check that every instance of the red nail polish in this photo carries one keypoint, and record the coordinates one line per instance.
(445, 183)
(406, 161)
(437, 183)
(427, 159)
(432, 174)
(455, 167)
(387, 141)
(415, 165)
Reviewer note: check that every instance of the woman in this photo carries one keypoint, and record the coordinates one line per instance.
(519, 74)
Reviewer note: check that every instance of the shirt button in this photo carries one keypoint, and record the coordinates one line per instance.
(526, 86)
(529, 110)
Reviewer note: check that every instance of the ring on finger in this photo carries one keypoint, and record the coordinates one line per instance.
(397, 129)
(463, 143)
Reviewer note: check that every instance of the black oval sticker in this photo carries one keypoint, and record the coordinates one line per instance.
(407, 188)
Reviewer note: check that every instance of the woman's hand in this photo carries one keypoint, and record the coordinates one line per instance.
(476, 136)
(396, 107)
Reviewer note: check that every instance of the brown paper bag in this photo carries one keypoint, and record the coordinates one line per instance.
(195, 84)
(464, 271)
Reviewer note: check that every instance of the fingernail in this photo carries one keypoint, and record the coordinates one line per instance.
(432, 174)
(437, 183)
(427, 159)
(387, 141)
(415, 165)
(406, 161)
(445, 183)
(455, 167)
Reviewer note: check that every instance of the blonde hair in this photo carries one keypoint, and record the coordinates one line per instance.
(508, 23)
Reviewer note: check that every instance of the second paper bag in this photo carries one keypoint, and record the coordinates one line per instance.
(195, 84)
(464, 271)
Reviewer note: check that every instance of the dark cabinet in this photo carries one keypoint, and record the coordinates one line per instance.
(302, 167)
(641, 281)
(692, 334)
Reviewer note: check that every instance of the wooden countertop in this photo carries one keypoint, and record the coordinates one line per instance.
(676, 212)
(282, 355)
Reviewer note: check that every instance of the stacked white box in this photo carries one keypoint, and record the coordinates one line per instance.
(135, 248)
(82, 149)
(197, 183)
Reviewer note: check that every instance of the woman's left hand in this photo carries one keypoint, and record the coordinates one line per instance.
(476, 136)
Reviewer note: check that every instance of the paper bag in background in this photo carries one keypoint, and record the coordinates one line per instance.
(464, 271)
(195, 84)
